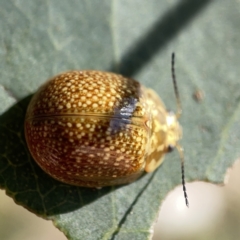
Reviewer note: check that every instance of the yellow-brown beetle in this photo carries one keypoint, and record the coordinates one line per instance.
(95, 129)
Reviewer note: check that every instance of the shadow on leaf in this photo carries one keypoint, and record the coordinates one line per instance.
(160, 34)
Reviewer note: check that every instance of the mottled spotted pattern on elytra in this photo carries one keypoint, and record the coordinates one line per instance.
(93, 129)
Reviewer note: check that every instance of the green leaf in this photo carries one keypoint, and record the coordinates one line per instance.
(42, 38)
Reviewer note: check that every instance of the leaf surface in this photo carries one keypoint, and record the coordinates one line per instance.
(42, 38)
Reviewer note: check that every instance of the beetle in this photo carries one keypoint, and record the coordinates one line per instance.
(94, 129)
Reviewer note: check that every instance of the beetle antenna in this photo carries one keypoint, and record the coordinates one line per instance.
(180, 150)
(178, 114)
(179, 106)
